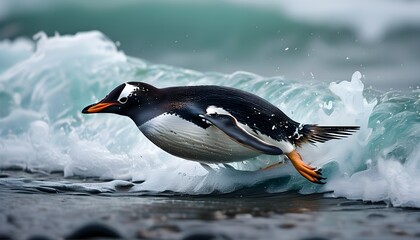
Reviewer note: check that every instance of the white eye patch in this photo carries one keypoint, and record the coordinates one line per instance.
(126, 92)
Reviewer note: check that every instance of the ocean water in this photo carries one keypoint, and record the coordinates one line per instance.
(45, 82)
(320, 42)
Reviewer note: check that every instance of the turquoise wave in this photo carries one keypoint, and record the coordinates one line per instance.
(44, 86)
(267, 37)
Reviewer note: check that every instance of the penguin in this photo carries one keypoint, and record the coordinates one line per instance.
(215, 124)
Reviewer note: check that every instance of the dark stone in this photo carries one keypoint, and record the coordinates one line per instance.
(168, 228)
(376, 216)
(158, 232)
(287, 225)
(4, 236)
(94, 230)
(138, 181)
(351, 203)
(12, 220)
(206, 236)
(123, 188)
(145, 234)
(39, 238)
(399, 232)
(47, 189)
(315, 238)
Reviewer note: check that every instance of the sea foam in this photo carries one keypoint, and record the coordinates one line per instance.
(42, 128)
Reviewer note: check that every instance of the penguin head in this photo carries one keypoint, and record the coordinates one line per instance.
(124, 99)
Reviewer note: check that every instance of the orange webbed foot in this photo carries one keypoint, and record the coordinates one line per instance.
(312, 174)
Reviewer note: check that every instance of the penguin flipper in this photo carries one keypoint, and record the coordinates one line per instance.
(229, 125)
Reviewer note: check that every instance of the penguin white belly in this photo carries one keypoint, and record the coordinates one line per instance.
(184, 139)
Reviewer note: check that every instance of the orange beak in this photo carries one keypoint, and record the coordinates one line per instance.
(98, 107)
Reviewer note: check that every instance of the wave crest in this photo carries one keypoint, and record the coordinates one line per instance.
(42, 128)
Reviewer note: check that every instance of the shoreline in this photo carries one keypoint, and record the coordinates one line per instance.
(292, 215)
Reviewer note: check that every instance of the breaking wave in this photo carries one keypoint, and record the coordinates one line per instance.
(44, 85)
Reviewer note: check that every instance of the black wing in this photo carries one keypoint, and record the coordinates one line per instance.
(229, 125)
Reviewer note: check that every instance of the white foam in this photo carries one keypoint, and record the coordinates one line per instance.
(389, 181)
(12, 52)
(45, 131)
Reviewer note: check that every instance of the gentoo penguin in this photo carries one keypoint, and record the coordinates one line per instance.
(214, 124)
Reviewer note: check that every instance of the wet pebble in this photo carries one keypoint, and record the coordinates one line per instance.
(47, 189)
(243, 216)
(351, 203)
(218, 215)
(138, 181)
(124, 188)
(160, 231)
(376, 216)
(39, 238)
(206, 236)
(4, 236)
(12, 220)
(94, 230)
(146, 234)
(287, 225)
(315, 238)
(399, 232)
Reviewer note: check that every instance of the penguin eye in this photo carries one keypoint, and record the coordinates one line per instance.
(123, 100)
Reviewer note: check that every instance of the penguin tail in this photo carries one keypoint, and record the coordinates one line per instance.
(313, 133)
